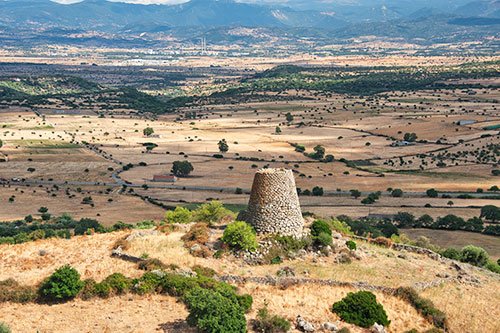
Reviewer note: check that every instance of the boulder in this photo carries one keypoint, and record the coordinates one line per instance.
(303, 325)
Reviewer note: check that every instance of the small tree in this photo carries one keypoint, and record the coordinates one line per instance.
(397, 193)
(289, 117)
(211, 212)
(319, 152)
(43, 210)
(355, 194)
(410, 137)
(223, 146)
(240, 236)
(277, 130)
(148, 131)
(179, 215)
(450, 203)
(63, 284)
(1, 143)
(85, 224)
(490, 212)
(182, 168)
(317, 191)
(432, 193)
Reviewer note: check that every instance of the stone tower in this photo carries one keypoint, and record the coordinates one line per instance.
(274, 206)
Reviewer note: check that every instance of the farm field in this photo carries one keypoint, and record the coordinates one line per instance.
(458, 239)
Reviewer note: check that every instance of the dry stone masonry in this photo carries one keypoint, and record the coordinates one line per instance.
(274, 206)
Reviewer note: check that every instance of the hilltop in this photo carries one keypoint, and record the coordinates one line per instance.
(306, 285)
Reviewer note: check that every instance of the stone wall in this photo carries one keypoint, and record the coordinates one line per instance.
(274, 206)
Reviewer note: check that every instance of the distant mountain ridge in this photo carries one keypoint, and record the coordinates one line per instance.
(340, 18)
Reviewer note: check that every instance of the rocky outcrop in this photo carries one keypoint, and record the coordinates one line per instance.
(274, 206)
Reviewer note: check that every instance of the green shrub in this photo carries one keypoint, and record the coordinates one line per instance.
(118, 283)
(211, 312)
(89, 289)
(240, 236)
(245, 301)
(492, 266)
(361, 308)
(211, 212)
(340, 226)
(276, 260)
(4, 328)
(423, 305)
(351, 245)
(177, 285)
(204, 271)
(148, 283)
(323, 239)
(86, 224)
(451, 253)
(267, 323)
(344, 330)
(320, 226)
(292, 244)
(474, 255)
(179, 215)
(63, 284)
(102, 290)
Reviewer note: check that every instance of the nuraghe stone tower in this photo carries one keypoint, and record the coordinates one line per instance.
(274, 206)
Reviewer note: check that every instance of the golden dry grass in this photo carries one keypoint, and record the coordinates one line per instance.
(90, 255)
(314, 303)
(469, 308)
(130, 314)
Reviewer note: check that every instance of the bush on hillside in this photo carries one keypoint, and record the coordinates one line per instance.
(12, 291)
(451, 253)
(474, 255)
(147, 284)
(211, 312)
(179, 215)
(340, 226)
(86, 224)
(211, 212)
(267, 323)
(361, 308)
(63, 284)
(240, 236)
(323, 239)
(4, 328)
(117, 283)
(351, 245)
(320, 226)
(492, 266)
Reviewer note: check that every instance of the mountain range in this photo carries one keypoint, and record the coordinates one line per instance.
(346, 18)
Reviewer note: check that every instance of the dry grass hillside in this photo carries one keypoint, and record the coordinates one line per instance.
(470, 305)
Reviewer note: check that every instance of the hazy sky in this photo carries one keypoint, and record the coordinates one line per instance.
(171, 1)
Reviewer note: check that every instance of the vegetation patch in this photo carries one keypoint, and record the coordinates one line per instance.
(361, 308)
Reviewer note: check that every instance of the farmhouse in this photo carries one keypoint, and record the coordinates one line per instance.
(164, 178)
